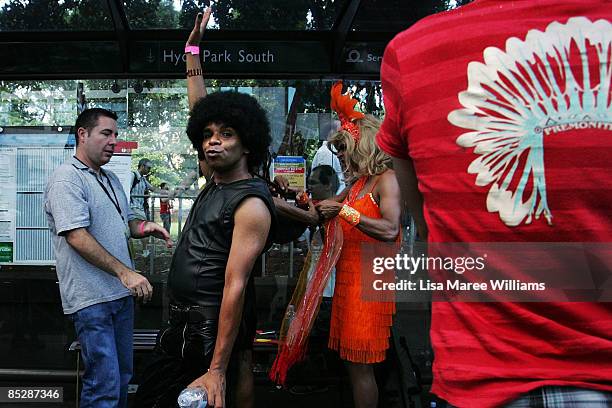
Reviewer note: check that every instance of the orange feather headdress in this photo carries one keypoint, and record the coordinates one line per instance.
(344, 106)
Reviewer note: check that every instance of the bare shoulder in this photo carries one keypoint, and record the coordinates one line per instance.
(252, 211)
(388, 182)
(389, 174)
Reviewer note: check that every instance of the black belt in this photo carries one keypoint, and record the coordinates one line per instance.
(193, 314)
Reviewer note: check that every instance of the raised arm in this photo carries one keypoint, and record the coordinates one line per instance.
(195, 79)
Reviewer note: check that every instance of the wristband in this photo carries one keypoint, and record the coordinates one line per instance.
(192, 49)
(141, 229)
(302, 198)
(350, 215)
(193, 72)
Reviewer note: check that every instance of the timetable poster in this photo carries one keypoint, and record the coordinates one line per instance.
(8, 202)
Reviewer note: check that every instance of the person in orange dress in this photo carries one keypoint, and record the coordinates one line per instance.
(369, 212)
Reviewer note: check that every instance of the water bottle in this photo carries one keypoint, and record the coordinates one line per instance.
(192, 398)
(290, 314)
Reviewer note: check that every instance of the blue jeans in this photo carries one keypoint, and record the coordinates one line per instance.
(166, 219)
(105, 332)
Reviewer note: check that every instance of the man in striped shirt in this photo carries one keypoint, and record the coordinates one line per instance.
(495, 115)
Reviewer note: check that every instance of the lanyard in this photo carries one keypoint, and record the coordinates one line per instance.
(116, 200)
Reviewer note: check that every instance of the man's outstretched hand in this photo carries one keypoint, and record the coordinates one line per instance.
(156, 230)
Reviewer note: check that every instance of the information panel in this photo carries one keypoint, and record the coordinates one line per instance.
(8, 203)
(291, 167)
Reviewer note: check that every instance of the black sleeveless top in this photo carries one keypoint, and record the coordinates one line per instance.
(197, 272)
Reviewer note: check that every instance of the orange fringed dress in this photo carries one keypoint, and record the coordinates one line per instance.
(359, 330)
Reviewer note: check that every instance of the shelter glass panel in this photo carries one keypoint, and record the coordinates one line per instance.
(153, 115)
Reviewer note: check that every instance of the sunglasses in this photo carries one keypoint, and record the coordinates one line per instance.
(335, 149)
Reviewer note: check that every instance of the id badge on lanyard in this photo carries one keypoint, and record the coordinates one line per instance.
(128, 235)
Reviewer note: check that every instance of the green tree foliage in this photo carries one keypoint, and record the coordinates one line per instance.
(157, 121)
(53, 15)
(144, 14)
(189, 9)
(36, 103)
(275, 14)
(324, 13)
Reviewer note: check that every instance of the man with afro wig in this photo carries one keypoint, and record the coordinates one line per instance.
(210, 285)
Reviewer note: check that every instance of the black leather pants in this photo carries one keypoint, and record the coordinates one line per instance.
(183, 352)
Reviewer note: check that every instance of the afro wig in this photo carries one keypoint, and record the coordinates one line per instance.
(239, 111)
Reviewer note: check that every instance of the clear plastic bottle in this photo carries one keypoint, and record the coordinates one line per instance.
(290, 314)
(192, 398)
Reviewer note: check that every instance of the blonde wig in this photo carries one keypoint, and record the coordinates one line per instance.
(363, 158)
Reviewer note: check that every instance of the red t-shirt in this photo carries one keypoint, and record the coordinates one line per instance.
(164, 206)
(511, 140)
